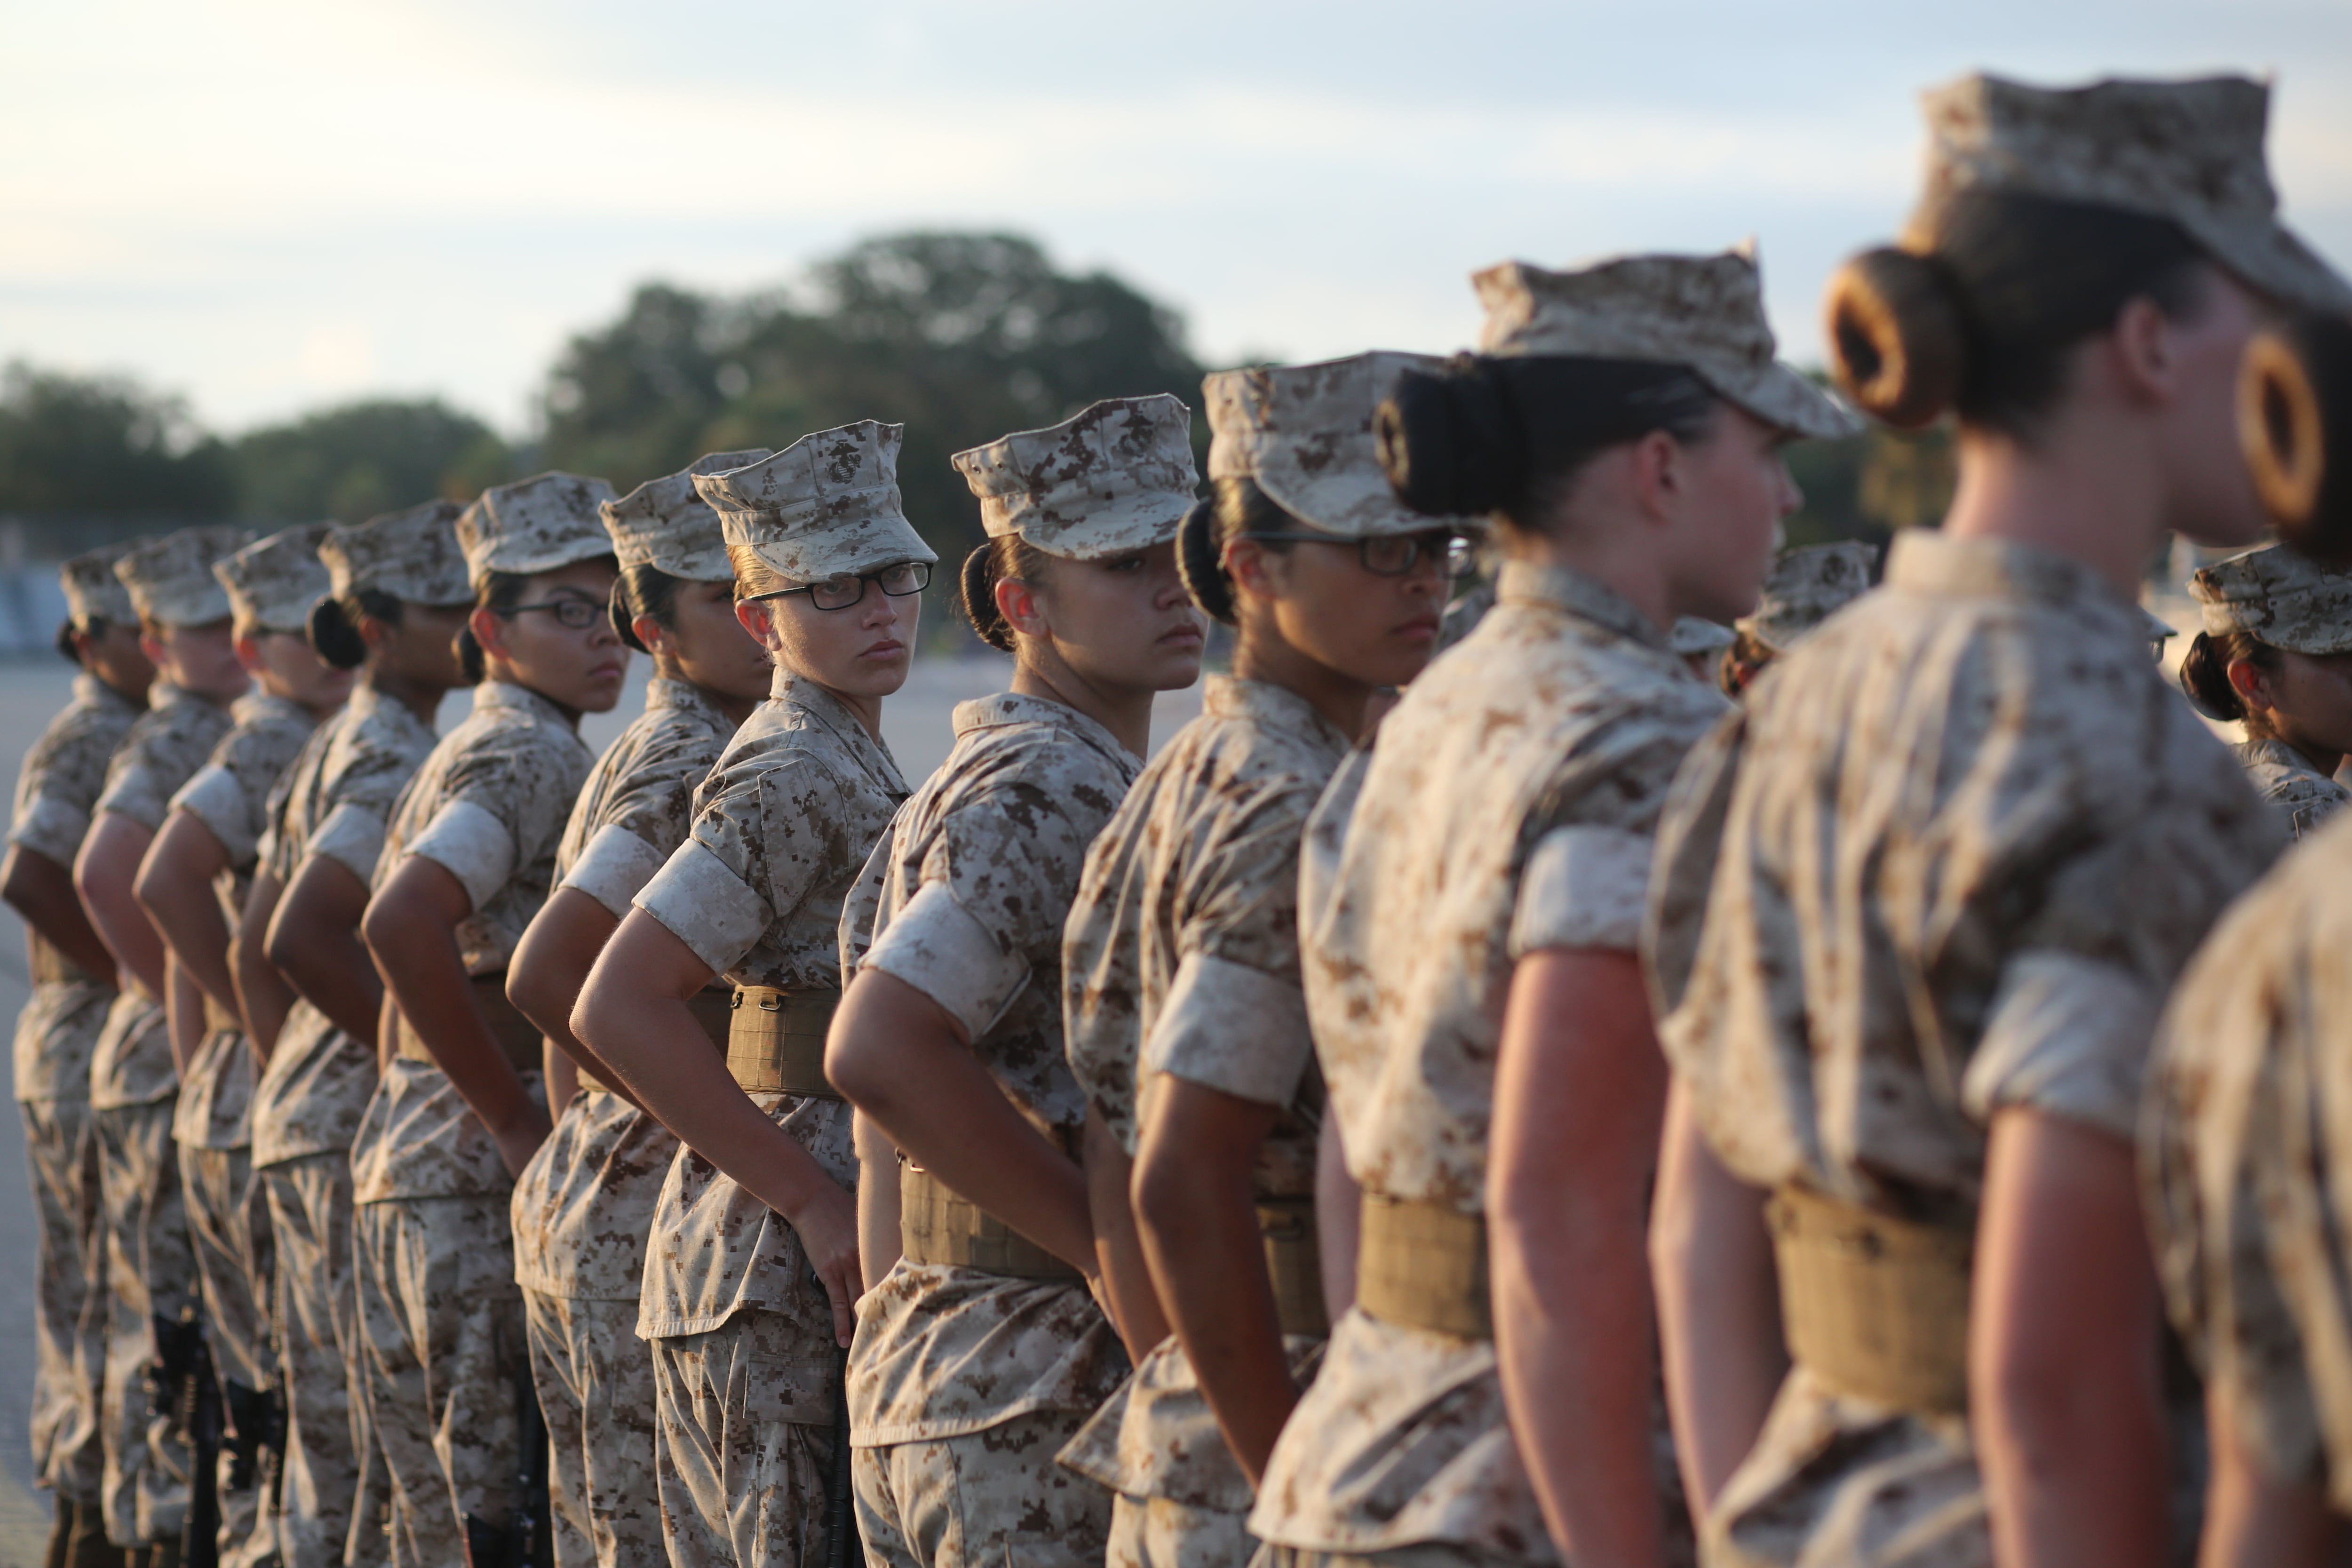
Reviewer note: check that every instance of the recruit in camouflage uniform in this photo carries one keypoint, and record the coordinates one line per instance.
(331, 807)
(135, 1082)
(271, 586)
(1180, 954)
(1507, 809)
(2071, 833)
(966, 1382)
(2243, 1160)
(2283, 600)
(741, 1332)
(55, 1034)
(442, 1337)
(583, 1208)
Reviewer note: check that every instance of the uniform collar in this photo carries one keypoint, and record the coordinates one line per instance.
(166, 694)
(831, 715)
(1928, 561)
(492, 695)
(1565, 589)
(259, 707)
(1273, 707)
(684, 696)
(1006, 708)
(2277, 754)
(90, 690)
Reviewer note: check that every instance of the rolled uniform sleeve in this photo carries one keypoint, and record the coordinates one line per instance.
(1584, 887)
(940, 948)
(352, 837)
(215, 798)
(473, 844)
(50, 825)
(616, 863)
(2067, 1034)
(137, 791)
(754, 853)
(1233, 1028)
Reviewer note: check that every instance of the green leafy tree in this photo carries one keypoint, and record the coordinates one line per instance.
(353, 462)
(105, 447)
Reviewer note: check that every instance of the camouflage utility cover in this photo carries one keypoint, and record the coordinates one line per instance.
(1507, 808)
(538, 524)
(1115, 476)
(583, 1205)
(333, 801)
(1805, 586)
(2276, 596)
(93, 593)
(666, 524)
(2188, 151)
(1705, 313)
(2247, 1172)
(413, 554)
(827, 506)
(272, 583)
(1304, 433)
(975, 879)
(170, 579)
(781, 828)
(2015, 837)
(489, 805)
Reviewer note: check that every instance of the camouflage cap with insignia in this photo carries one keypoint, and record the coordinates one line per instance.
(2188, 151)
(827, 506)
(666, 524)
(412, 554)
(1806, 586)
(2279, 598)
(273, 582)
(1705, 313)
(1115, 476)
(93, 593)
(1304, 434)
(538, 524)
(1690, 636)
(170, 579)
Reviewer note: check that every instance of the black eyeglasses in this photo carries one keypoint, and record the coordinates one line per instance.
(572, 613)
(1398, 555)
(845, 592)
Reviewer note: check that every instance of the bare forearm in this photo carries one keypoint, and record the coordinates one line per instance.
(183, 1012)
(428, 977)
(878, 1244)
(41, 891)
(1210, 1263)
(1118, 1251)
(2253, 1522)
(189, 917)
(331, 969)
(262, 994)
(103, 877)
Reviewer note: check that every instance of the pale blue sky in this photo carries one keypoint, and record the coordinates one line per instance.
(271, 204)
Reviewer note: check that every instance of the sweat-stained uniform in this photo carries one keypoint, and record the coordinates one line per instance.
(1180, 956)
(150, 1270)
(2244, 1165)
(305, 1110)
(226, 1213)
(441, 1330)
(56, 1034)
(1507, 808)
(963, 1385)
(1948, 862)
(583, 1205)
(740, 1329)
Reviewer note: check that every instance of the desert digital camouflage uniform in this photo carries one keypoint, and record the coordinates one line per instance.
(2302, 796)
(1180, 956)
(964, 1384)
(134, 1084)
(226, 1212)
(1508, 807)
(2244, 1168)
(2286, 601)
(583, 1205)
(740, 1329)
(55, 1034)
(741, 1332)
(2016, 837)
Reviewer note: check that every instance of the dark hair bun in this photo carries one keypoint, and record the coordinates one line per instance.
(470, 657)
(625, 621)
(333, 637)
(66, 648)
(2295, 423)
(978, 585)
(1896, 345)
(1451, 443)
(1199, 561)
(2205, 681)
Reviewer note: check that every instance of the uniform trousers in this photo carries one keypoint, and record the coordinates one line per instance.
(446, 1362)
(993, 1498)
(595, 1382)
(740, 1483)
(149, 1273)
(1161, 1532)
(309, 1202)
(69, 1339)
(228, 1228)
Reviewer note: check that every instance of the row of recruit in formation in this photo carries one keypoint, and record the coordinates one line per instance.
(1319, 1142)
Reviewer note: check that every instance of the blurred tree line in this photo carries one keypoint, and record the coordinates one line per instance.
(960, 336)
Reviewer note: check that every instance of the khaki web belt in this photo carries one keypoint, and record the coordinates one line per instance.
(50, 966)
(1876, 1308)
(518, 1037)
(217, 1017)
(713, 1008)
(775, 1042)
(1423, 1266)
(1294, 1266)
(935, 1226)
